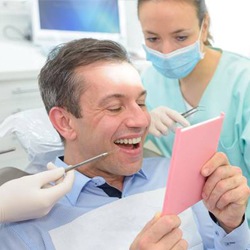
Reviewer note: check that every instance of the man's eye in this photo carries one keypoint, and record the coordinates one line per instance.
(142, 104)
(115, 109)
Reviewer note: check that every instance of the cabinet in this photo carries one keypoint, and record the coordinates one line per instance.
(20, 64)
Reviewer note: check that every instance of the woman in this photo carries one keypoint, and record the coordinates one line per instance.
(31, 196)
(188, 72)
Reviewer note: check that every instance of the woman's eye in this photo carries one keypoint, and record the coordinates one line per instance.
(181, 38)
(151, 39)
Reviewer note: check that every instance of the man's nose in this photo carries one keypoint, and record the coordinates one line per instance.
(138, 117)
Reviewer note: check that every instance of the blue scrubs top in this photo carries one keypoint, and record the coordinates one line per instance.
(228, 92)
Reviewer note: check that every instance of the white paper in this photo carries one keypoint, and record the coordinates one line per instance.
(114, 226)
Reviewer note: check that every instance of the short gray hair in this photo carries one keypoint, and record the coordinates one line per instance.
(58, 81)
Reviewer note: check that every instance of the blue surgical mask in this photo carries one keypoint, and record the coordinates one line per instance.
(177, 64)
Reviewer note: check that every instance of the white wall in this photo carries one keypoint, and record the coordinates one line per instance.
(14, 19)
(134, 33)
(230, 21)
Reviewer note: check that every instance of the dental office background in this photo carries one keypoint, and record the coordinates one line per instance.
(230, 21)
(21, 58)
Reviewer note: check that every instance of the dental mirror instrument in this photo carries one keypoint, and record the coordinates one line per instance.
(191, 111)
(10, 173)
(70, 167)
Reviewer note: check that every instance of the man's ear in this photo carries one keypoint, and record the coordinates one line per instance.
(61, 120)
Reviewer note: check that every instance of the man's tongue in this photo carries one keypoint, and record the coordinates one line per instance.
(127, 146)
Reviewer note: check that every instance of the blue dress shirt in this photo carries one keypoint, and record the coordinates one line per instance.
(86, 196)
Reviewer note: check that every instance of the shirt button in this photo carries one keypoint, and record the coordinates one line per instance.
(98, 181)
(229, 243)
(217, 233)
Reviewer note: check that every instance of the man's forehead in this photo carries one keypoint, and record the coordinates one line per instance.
(108, 75)
(111, 96)
(106, 66)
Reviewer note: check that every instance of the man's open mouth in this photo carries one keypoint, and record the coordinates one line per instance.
(131, 143)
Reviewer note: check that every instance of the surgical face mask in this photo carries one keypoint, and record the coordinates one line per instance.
(177, 64)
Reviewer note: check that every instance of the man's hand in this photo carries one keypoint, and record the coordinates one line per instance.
(225, 192)
(161, 233)
(164, 119)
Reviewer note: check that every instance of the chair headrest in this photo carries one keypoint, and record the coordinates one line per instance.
(36, 135)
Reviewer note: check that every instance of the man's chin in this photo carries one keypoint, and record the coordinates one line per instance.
(133, 167)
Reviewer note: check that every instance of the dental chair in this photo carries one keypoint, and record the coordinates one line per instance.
(36, 135)
(38, 138)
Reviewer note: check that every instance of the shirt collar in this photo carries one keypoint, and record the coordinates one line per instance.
(81, 180)
(142, 173)
(145, 172)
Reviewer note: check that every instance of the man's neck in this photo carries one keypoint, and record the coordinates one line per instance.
(113, 180)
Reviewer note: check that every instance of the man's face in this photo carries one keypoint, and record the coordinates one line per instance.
(114, 118)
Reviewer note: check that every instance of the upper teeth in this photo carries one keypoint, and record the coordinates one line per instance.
(129, 141)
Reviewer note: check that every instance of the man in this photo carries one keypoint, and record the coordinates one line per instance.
(96, 101)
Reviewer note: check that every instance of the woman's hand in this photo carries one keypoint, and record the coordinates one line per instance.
(33, 196)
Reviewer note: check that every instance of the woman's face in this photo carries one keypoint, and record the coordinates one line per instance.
(169, 25)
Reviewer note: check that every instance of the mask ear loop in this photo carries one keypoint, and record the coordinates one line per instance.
(199, 37)
(199, 40)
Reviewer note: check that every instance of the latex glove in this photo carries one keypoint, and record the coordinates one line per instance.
(27, 198)
(163, 119)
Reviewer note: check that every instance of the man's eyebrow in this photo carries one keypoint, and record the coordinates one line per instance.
(107, 98)
(144, 92)
(118, 96)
